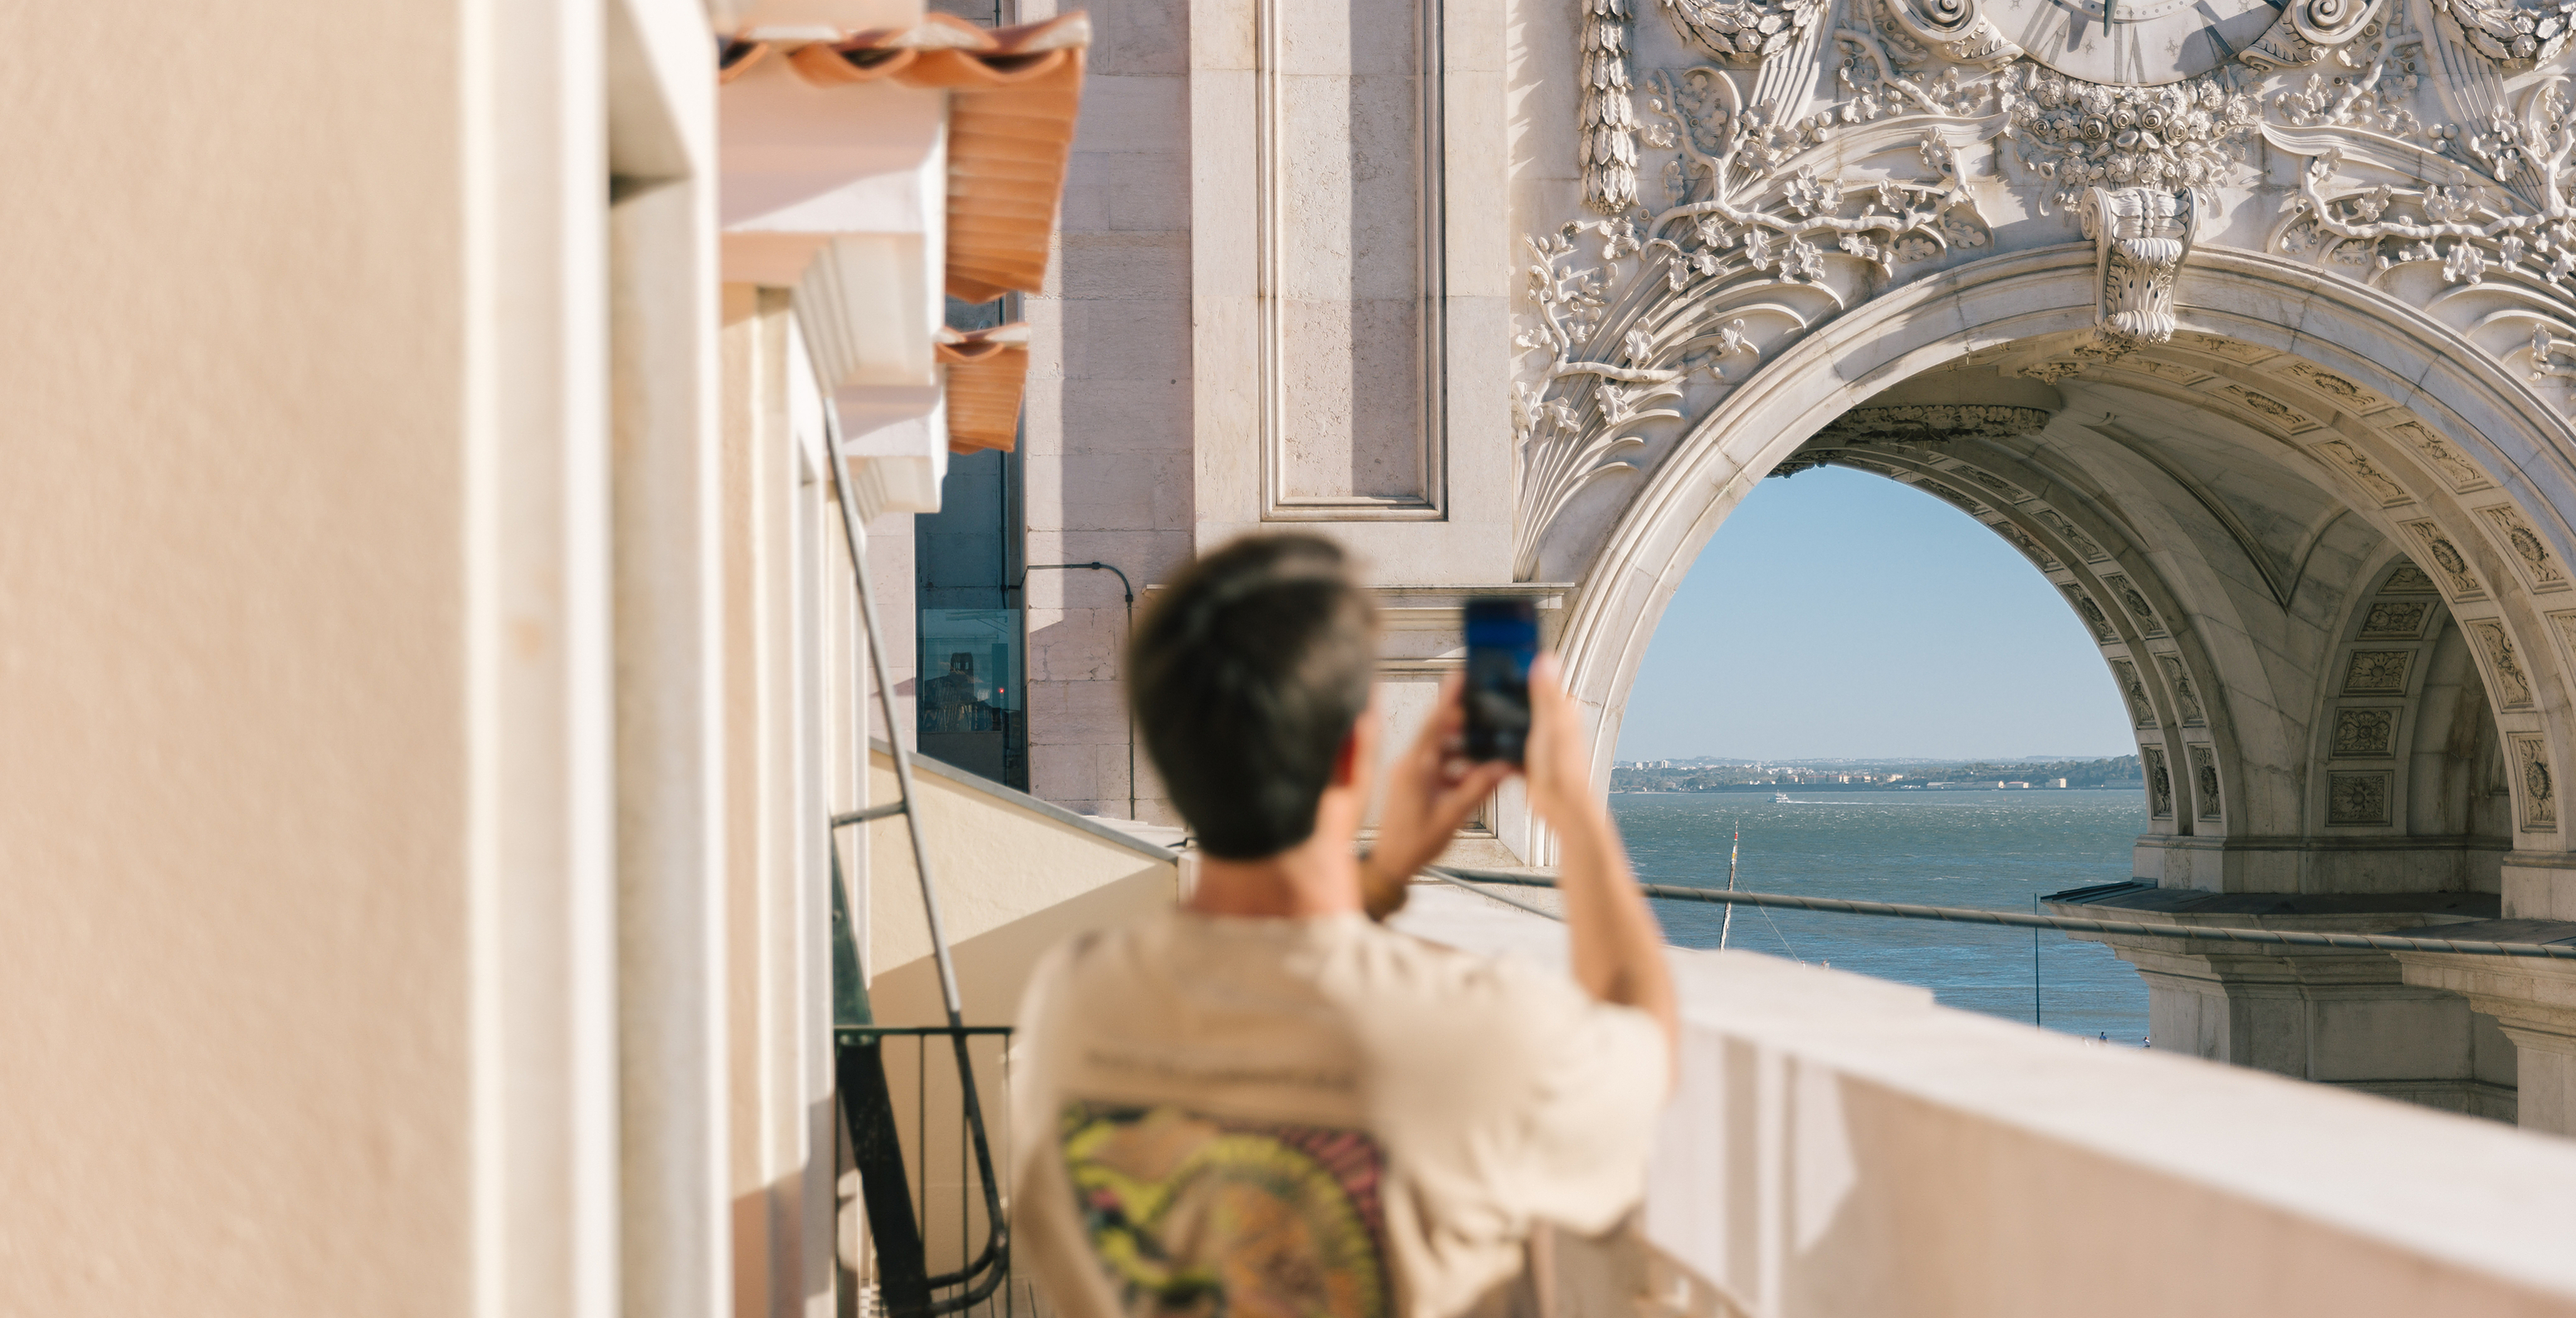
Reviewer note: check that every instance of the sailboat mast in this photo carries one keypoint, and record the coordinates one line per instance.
(1726, 923)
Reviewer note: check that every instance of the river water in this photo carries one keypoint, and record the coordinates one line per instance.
(1989, 849)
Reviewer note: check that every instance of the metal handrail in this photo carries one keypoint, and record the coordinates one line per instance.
(1467, 879)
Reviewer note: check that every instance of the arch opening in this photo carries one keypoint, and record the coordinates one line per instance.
(2322, 554)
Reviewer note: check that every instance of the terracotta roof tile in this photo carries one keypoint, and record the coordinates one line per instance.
(1014, 92)
(987, 371)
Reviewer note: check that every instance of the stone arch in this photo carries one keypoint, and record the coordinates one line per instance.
(2427, 443)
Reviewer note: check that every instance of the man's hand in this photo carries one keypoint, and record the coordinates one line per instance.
(1430, 791)
(1557, 763)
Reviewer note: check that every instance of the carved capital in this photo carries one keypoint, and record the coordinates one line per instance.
(2140, 237)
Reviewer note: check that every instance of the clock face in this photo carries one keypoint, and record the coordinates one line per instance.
(2147, 42)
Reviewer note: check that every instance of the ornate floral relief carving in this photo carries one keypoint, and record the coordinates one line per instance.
(1608, 118)
(2030, 549)
(2343, 391)
(2078, 135)
(1786, 192)
(2269, 408)
(2364, 734)
(2454, 466)
(2390, 621)
(2009, 492)
(2533, 788)
(2142, 712)
(2357, 798)
(1931, 423)
(2082, 544)
(2379, 672)
(2513, 686)
(2409, 579)
(2159, 782)
(2359, 466)
(2094, 618)
(2204, 778)
(1939, 490)
(2447, 560)
(2137, 604)
(2189, 699)
(2538, 566)
(2140, 237)
(2490, 203)
(2551, 356)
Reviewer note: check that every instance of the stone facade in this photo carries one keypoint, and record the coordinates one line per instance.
(2252, 330)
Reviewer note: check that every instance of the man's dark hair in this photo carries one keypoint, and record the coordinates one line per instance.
(1245, 677)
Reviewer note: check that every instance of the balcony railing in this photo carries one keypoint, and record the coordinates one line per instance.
(924, 1109)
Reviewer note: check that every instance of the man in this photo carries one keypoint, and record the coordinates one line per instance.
(1264, 1103)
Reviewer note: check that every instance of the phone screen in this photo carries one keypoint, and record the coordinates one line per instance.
(1502, 639)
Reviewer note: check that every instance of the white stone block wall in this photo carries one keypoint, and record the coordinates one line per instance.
(1108, 426)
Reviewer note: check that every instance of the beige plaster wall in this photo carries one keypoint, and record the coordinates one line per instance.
(1013, 878)
(232, 577)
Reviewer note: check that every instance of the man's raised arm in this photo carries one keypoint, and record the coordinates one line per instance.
(1618, 949)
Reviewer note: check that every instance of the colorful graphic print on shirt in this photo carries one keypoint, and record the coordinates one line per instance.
(1205, 1217)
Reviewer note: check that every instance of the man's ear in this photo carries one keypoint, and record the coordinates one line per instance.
(1358, 744)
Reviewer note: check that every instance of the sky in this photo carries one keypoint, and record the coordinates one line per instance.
(1839, 614)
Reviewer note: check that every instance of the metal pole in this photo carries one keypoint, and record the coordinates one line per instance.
(2034, 963)
(894, 740)
(2561, 951)
(1726, 923)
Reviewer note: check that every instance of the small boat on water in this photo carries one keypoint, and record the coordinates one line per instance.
(1781, 798)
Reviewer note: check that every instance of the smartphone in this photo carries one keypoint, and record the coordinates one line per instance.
(1502, 639)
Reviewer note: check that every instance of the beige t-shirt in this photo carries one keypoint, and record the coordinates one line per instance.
(1270, 1118)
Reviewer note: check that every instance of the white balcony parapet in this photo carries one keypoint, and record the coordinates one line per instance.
(1841, 1145)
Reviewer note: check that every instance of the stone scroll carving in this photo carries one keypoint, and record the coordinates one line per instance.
(1957, 30)
(2140, 237)
(2308, 31)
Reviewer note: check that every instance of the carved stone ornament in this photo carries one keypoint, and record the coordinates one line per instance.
(1609, 118)
(2307, 31)
(2140, 237)
(2514, 35)
(2536, 790)
(1741, 32)
(1930, 423)
(1958, 29)
(2357, 798)
(2364, 733)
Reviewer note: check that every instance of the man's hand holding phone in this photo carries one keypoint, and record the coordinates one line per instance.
(1430, 791)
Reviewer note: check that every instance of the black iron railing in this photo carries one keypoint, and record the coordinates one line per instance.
(918, 1103)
